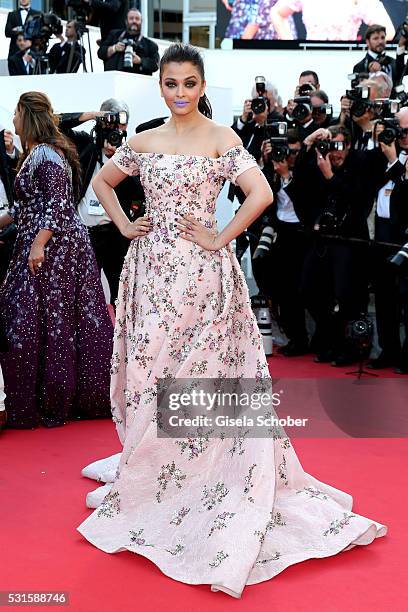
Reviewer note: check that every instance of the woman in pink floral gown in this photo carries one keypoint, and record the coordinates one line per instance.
(225, 512)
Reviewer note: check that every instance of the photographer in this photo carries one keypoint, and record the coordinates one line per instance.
(334, 192)
(376, 59)
(359, 112)
(67, 55)
(289, 249)
(322, 111)
(21, 62)
(8, 163)
(391, 224)
(128, 50)
(94, 149)
(15, 22)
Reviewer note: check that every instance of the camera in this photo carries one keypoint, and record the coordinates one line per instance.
(324, 146)
(260, 103)
(277, 134)
(42, 27)
(303, 108)
(360, 98)
(360, 332)
(356, 78)
(387, 109)
(130, 48)
(306, 89)
(323, 109)
(401, 258)
(401, 94)
(107, 128)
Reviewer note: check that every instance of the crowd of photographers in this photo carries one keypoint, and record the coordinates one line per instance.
(121, 46)
(338, 227)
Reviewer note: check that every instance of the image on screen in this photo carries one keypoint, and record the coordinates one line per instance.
(303, 20)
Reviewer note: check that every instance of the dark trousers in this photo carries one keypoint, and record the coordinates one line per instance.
(289, 254)
(110, 248)
(334, 274)
(391, 294)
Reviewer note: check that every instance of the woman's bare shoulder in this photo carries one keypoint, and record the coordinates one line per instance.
(225, 138)
(142, 142)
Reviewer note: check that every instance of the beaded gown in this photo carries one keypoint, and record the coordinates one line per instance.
(222, 512)
(57, 324)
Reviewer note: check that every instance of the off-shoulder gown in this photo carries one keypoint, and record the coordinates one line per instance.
(230, 512)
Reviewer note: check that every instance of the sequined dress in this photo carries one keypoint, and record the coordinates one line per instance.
(57, 324)
(222, 512)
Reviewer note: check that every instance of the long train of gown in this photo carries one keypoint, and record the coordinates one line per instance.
(226, 512)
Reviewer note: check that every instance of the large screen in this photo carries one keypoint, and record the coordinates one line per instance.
(303, 20)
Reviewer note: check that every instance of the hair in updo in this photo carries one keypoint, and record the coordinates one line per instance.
(180, 53)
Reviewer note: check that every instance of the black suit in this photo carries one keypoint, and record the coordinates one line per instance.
(59, 57)
(16, 65)
(336, 272)
(109, 15)
(14, 21)
(362, 66)
(146, 49)
(108, 243)
(390, 287)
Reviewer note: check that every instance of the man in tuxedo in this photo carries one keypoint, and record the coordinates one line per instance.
(391, 223)
(67, 55)
(376, 59)
(22, 62)
(17, 19)
(145, 53)
(8, 163)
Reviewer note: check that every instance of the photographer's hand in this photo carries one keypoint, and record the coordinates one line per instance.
(136, 59)
(320, 134)
(266, 149)
(246, 111)
(9, 142)
(324, 165)
(389, 151)
(374, 67)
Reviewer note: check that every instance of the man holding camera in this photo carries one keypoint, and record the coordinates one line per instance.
(129, 51)
(342, 184)
(94, 150)
(67, 55)
(284, 268)
(15, 22)
(376, 59)
(391, 226)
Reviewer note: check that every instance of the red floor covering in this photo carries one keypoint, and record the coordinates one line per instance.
(43, 500)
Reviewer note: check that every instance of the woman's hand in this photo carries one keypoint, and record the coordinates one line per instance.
(138, 228)
(36, 258)
(193, 231)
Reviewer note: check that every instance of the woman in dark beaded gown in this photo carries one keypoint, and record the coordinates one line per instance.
(57, 324)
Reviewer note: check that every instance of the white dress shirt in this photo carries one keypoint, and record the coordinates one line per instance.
(285, 209)
(90, 210)
(384, 195)
(23, 15)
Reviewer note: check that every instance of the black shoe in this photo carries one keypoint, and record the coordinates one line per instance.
(344, 359)
(324, 356)
(382, 361)
(294, 349)
(402, 369)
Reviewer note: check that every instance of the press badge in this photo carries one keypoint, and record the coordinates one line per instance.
(388, 192)
(95, 208)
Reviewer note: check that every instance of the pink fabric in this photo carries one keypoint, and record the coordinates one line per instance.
(221, 512)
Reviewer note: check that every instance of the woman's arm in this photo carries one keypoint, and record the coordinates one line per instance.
(37, 255)
(279, 18)
(5, 220)
(258, 197)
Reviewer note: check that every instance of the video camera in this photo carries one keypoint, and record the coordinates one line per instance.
(360, 98)
(277, 134)
(324, 146)
(260, 103)
(39, 29)
(107, 128)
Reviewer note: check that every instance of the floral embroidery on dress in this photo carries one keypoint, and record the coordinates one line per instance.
(220, 521)
(276, 521)
(169, 473)
(248, 482)
(179, 515)
(194, 446)
(283, 471)
(136, 538)
(177, 550)
(110, 505)
(338, 524)
(219, 558)
(277, 555)
(313, 492)
(215, 495)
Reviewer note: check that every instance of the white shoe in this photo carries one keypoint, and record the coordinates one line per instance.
(96, 497)
(103, 470)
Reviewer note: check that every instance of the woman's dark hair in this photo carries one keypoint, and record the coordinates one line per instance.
(180, 53)
(39, 125)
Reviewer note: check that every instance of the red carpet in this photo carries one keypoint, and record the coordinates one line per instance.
(43, 501)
